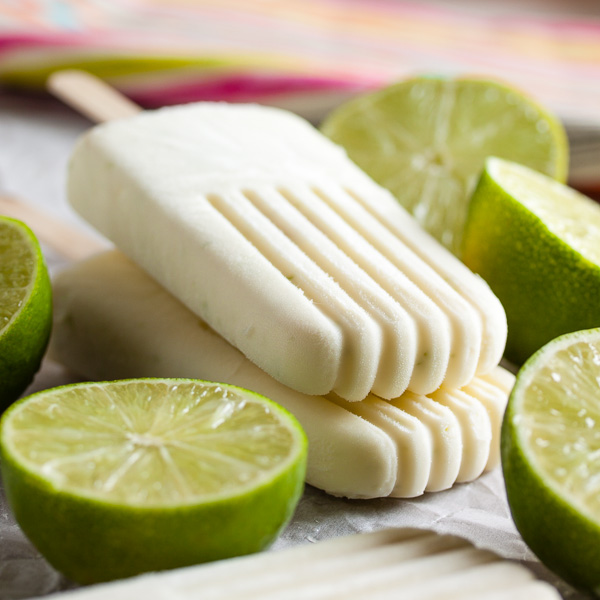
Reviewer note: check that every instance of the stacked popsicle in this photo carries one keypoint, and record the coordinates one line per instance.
(250, 224)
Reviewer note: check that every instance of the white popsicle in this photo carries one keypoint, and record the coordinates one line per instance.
(396, 563)
(266, 230)
(114, 321)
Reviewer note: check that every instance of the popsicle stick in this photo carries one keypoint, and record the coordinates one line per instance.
(90, 96)
(98, 101)
(64, 239)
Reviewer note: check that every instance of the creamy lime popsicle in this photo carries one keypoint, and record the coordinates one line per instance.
(269, 233)
(389, 564)
(113, 321)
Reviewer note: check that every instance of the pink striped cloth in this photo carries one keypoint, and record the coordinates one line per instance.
(306, 55)
(310, 55)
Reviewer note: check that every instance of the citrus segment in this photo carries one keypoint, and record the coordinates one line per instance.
(426, 139)
(113, 479)
(551, 456)
(535, 241)
(25, 308)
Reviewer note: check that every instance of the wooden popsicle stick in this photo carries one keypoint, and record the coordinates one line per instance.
(98, 101)
(90, 96)
(64, 239)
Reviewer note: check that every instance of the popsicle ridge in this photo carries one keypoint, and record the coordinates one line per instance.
(491, 393)
(391, 260)
(398, 346)
(361, 345)
(468, 285)
(432, 342)
(476, 431)
(449, 436)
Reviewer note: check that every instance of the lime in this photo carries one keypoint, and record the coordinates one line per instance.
(551, 456)
(426, 139)
(25, 308)
(535, 241)
(113, 479)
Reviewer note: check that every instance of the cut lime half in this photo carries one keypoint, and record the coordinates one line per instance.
(551, 456)
(113, 479)
(25, 308)
(535, 241)
(426, 139)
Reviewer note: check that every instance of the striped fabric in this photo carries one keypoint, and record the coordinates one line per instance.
(305, 55)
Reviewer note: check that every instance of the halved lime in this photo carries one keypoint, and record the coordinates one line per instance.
(535, 241)
(551, 456)
(426, 139)
(113, 479)
(25, 308)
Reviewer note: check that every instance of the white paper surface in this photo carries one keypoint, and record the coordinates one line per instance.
(36, 137)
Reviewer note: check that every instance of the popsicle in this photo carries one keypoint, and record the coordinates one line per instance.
(269, 233)
(410, 564)
(113, 321)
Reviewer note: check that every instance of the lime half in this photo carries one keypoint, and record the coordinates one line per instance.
(426, 139)
(551, 456)
(535, 241)
(25, 308)
(113, 479)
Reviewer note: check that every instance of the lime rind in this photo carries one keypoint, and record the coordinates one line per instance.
(559, 405)
(568, 214)
(20, 253)
(547, 287)
(425, 139)
(25, 330)
(551, 453)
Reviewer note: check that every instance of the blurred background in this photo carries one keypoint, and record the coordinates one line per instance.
(310, 55)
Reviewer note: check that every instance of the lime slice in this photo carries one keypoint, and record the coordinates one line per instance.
(535, 241)
(426, 140)
(551, 456)
(113, 479)
(25, 308)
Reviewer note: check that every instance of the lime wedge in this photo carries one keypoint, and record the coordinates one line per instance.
(551, 456)
(426, 139)
(535, 241)
(25, 308)
(113, 479)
